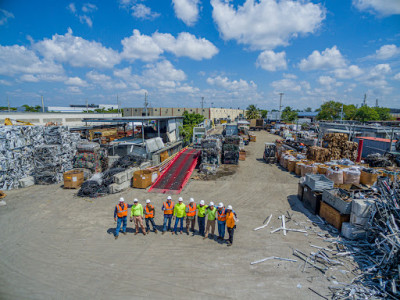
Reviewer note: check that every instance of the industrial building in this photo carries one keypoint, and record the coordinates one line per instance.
(209, 113)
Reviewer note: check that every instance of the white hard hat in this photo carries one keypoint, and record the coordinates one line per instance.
(135, 200)
(121, 199)
(191, 200)
(148, 201)
(220, 205)
(169, 198)
(211, 203)
(229, 207)
(180, 199)
(201, 202)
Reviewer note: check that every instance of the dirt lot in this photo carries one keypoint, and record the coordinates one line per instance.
(54, 245)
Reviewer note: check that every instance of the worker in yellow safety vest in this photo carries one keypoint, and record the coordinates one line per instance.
(191, 215)
(179, 214)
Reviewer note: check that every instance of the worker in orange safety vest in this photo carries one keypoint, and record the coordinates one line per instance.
(168, 208)
(190, 215)
(230, 223)
(149, 214)
(121, 216)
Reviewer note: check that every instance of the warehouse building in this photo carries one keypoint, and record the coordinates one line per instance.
(209, 113)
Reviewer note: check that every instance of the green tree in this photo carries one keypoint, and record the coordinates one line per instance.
(264, 113)
(366, 113)
(252, 112)
(288, 114)
(5, 108)
(349, 111)
(106, 111)
(329, 111)
(189, 122)
(28, 108)
(384, 113)
(308, 109)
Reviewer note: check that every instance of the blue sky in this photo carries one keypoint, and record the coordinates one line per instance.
(232, 53)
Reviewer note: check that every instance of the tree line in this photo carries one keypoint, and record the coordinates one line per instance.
(329, 111)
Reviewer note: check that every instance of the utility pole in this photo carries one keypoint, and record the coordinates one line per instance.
(280, 106)
(365, 100)
(118, 110)
(146, 103)
(376, 103)
(8, 102)
(87, 106)
(341, 114)
(202, 104)
(42, 104)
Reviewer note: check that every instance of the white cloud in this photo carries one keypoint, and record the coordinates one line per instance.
(76, 81)
(149, 48)
(29, 78)
(187, 11)
(285, 85)
(231, 85)
(186, 44)
(330, 58)
(20, 60)
(77, 51)
(163, 71)
(383, 7)
(5, 16)
(290, 76)
(86, 9)
(348, 72)
(4, 82)
(326, 80)
(139, 46)
(271, 61)
(376, 76)
(144, 12)
(266, 24)
(387, 51)
(97, 77)
(397, 76)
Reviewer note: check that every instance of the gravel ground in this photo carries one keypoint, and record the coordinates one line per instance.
(54, 245)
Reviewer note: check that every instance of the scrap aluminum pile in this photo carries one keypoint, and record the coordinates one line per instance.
(231, 150)
(128, 161)
(377, 160)
(55, 157)
(90, 156)
(18, 147)
(210, 155)
(379, 255)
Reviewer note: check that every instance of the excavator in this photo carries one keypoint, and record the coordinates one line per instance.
(8, 121)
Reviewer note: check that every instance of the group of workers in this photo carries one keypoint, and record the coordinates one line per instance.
(224, 217)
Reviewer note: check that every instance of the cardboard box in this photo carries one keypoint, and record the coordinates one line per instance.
(242, 155)
(252, 138)
(142, 179)
(163, 156)
(333, 216)
(73, 179)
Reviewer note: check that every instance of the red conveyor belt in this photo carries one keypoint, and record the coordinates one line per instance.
(176, 176)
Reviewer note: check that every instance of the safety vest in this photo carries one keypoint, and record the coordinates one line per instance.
(230, 220)
(168, 208)
(221, 215)
(149, 213)
(192, 210)
(122, 211)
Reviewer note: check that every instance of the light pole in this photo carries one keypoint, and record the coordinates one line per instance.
(280, 106)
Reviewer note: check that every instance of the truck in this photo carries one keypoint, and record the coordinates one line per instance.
(256, 124)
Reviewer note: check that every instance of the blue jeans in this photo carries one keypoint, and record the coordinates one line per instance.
(176, 224)
(119, 221)
(148, 221)
(221, 228)
(202, 224)
(167, 218)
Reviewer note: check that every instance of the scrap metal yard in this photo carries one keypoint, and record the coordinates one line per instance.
(57, 245)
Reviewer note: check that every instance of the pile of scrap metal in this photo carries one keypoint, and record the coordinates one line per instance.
(378, 160)
(378, 253)
(22, 154)
(210, 154)
(270, 153)
(56, 156)
(90, 156)
(231, 149)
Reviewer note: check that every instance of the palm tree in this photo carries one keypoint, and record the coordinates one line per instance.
(252, 112)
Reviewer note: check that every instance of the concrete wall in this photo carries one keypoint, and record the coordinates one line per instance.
(67, 119)
(208, 113)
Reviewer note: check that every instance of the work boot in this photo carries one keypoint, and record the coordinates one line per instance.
(172, 232)
(155, 231)
(187, 232)
(181, 231)
(163, 232)
(124, 233)
(204, 238)
(147, 230)
(136, 233)
(144, 232)
(116, 237)
(229, 244)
